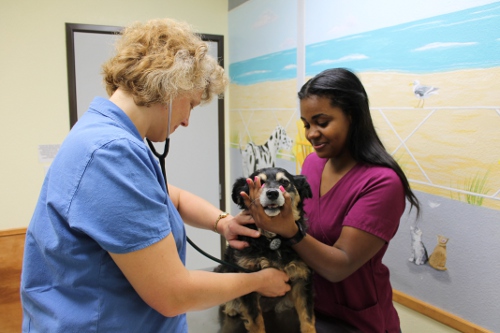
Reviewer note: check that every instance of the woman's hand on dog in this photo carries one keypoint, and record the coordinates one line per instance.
(282, 224)
(235, 226)
(274, 282)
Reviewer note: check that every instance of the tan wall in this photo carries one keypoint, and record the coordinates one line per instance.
(33, 79)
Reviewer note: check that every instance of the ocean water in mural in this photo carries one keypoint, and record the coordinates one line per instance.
(456, 41)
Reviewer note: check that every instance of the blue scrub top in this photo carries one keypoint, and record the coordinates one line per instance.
(104, 192)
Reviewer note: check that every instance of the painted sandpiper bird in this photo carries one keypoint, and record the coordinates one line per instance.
(422, 92)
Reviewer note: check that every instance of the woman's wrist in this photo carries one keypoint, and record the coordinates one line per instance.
(297, 237)
(218, 224)
(291, 232)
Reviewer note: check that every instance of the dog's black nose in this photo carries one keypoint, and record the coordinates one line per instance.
(272, 194)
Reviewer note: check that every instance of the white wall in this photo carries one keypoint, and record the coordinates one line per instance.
(33, 79)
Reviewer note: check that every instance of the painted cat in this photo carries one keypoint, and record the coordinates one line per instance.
(418, 250)
(437, 259)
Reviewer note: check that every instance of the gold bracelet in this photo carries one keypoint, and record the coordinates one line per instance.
(220, 217)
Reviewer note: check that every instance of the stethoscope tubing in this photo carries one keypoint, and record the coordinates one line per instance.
(162, 157)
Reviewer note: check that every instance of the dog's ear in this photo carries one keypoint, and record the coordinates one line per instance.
(240, 185)
(302, 186)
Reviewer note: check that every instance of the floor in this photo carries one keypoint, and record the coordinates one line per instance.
(415, 322)
(209, 321)
(213, 321)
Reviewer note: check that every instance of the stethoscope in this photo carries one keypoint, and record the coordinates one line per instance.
(162, 157)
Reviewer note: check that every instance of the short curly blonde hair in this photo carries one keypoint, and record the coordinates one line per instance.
(161, 59)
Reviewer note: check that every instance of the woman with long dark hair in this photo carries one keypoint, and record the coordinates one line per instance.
(359, 194)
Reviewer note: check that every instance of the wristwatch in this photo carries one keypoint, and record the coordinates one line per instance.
(301, 233)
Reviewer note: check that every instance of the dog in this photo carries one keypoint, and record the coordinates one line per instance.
(263, 156)
(270, 250)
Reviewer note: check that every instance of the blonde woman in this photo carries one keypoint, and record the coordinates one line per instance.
(105, 249)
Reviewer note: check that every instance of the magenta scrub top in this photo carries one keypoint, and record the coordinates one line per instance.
(369, 198)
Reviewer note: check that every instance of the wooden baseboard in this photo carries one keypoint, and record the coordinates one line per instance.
(11, 259)
(13, 232)
(437, 314)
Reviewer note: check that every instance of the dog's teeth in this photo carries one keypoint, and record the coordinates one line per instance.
(271, 212)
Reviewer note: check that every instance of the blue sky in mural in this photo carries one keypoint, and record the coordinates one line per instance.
(337, 19)
(260, 27)
(444, 42)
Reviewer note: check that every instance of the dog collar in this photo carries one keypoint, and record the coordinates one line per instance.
(297, 237)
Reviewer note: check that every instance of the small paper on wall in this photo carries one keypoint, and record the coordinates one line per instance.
(46, 153)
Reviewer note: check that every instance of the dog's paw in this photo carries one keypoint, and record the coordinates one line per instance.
(232, 308)
(264, 264)
(231, 313)
(297, 270)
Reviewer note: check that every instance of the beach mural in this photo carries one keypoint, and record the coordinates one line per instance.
(262, 32)
(432, 84)
(431, 73)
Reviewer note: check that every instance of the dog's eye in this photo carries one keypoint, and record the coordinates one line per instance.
(285, 182)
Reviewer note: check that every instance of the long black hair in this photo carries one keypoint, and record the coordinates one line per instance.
(344, 90)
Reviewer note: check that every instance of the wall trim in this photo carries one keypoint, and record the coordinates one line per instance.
(437, 314)
(12, 232)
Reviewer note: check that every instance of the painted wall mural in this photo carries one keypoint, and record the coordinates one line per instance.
(431, 74)
(433, 89)
(256, 157)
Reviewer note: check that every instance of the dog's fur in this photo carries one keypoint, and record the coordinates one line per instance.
(259, 255)
(262, 156)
